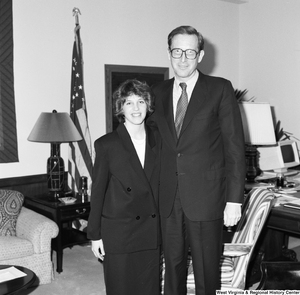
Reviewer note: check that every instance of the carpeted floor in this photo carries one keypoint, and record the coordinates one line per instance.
(82, 275)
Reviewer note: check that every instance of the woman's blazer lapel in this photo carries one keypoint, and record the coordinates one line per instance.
(152, 153)
(133, 160)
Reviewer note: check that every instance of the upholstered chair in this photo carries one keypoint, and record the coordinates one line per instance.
(25, 236)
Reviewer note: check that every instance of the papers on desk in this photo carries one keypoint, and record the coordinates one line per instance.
(287, 200)
(252, 185)
(266, 175)
(288, 196)
(293, 204)
(293, 184)
(283, 199)
(10, 273)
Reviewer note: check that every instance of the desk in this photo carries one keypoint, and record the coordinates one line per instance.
(281, 223)
(16, 285)
(273, 241)
(63, 215)
(285, 219)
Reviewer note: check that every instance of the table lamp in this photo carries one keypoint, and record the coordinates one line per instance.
(258, 130)
(55, 128)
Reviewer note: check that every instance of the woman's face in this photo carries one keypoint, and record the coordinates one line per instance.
(134, 110)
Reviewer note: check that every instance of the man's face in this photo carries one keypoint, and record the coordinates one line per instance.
(185, 68)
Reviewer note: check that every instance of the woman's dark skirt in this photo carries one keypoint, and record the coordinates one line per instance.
(135, 273)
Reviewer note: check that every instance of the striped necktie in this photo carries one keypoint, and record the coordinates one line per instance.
(181, 108)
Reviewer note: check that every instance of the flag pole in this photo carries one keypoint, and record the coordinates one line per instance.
(80, 153)
(76, 11)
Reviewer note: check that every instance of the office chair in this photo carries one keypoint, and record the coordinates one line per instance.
(237, 254)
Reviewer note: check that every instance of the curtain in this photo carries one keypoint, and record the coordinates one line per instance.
(8, 132)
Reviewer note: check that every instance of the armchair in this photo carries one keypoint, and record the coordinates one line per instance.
(236, 255)
(31, 245)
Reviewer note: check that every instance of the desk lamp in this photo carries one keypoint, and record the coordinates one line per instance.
(258, 130)
(55, 128)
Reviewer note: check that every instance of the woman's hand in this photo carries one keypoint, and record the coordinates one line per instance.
(98, 249)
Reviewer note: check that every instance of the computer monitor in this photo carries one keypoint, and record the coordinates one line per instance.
(280, 157)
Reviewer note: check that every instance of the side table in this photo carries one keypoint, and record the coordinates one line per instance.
(63, 215)
(16, 285)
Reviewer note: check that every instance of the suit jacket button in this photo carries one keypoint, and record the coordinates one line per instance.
(153, 215)
(129, 189)
(138, 218)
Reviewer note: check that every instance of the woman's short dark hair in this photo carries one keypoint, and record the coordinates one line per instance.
(128, 88)
(186, 30)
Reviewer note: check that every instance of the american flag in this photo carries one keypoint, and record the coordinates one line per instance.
(80, 153)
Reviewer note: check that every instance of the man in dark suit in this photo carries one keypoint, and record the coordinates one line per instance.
(203, 164)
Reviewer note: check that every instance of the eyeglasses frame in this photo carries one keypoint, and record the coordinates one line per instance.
(183, 51)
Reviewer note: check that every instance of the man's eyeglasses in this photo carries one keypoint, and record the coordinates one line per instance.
(189, 53)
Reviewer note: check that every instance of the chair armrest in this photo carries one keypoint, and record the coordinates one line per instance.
(236, 249)
(36, 228)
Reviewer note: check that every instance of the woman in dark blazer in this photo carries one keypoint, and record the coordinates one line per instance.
(124, 222)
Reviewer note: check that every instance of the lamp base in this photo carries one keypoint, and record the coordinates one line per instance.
(54, 196)
(252, 169)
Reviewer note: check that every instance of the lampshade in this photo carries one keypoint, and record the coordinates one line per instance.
(54, 127)
(257, 123)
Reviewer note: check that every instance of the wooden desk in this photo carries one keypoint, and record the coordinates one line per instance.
(282, 223)
(285, 219)
(273, 241)
(63, 215)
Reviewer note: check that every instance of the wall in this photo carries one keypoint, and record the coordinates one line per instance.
(269, 64)
(131, 32)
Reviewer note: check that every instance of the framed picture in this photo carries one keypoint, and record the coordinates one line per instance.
(116, 74)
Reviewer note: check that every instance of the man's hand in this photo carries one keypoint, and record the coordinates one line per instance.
(98, 249)
(232, 214)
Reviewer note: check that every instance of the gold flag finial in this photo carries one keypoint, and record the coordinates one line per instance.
(76, 11)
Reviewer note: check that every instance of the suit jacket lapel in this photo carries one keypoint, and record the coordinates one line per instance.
(167, 100)
(199, 97)
(151, 153)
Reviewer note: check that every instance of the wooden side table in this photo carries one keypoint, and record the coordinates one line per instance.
(63, 215)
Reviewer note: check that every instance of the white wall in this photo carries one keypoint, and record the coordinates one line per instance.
(131, 32)
(269, 64)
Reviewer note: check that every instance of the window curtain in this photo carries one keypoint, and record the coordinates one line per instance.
(8, 132)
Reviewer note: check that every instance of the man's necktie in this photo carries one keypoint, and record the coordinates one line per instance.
(181, 108)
